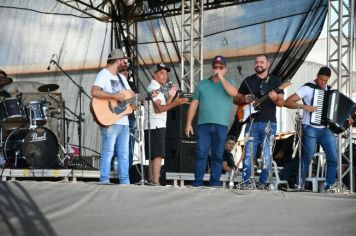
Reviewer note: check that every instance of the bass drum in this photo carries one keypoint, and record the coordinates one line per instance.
(33, 148)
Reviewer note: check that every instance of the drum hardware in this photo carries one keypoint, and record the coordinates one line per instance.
(66, 156)
(81, 91)
(19, 97)
(54, 99)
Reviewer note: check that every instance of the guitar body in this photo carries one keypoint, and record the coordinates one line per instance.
(107, 112)
(247, 111)
(240, 112)
(255, 105)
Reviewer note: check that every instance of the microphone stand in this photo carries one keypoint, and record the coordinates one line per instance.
(267, 164)
(298, 132)
(80, 116)
(138, 136)
(141, 131)
(249, 137)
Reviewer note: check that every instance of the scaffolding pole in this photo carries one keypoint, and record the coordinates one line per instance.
(191, 52)
(340, 25)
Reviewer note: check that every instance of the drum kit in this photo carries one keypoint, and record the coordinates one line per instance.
(25, 142)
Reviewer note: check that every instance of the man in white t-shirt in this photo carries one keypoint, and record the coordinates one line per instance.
(158, 117)
(314, 134)
(115, 138)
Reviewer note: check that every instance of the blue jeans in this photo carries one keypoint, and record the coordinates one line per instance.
(311, 137)
(258, 134)
(210, 137)
(132, 126)
(115, 138)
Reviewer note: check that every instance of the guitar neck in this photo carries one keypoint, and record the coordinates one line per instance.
(264, 98)
(133, 99)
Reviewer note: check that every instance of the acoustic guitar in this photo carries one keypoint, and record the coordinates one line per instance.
(107, 112)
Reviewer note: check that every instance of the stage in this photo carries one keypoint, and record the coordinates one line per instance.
(89, 208)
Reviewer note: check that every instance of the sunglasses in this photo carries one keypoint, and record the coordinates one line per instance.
(218, 67)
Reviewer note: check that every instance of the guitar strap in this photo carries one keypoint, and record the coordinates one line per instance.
(263, 86)
(122, 85)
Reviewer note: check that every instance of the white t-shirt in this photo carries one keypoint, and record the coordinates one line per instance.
(157, 120)
(110, 83)
(307, 94)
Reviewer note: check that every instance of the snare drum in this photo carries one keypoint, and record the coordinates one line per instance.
(12, 115)
(36, 113)
(35, 148)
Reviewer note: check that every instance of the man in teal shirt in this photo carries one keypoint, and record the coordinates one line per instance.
(213, 96)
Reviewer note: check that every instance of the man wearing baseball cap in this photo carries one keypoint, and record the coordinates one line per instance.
(213, 98)
(155, 134)
(109, 84)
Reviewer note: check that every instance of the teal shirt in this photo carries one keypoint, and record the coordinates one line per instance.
(214, 102)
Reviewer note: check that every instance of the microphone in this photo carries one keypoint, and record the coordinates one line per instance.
(239, 68)
(50, 62)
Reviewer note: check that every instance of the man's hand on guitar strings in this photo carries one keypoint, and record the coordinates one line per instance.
(249, 98)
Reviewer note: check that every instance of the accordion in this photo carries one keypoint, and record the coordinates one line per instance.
(333, 108)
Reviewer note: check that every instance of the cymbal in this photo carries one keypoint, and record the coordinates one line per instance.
(48, 87)
(5, 80)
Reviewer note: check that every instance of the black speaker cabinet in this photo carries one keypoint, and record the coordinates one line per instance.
(180, 155)
(176, 121)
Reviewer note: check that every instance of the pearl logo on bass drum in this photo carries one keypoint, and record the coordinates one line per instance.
(36, 138)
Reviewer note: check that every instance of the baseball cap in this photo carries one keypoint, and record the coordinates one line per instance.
(116, 54)
(219, 59)
(162, 66)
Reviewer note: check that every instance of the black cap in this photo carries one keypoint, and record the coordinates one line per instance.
(162, 66)
(325, 71)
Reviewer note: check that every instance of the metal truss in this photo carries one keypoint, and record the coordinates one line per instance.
(98, 9)
(129, 39)
(166, 8)
(144, 9)
(340, 56)
(191, 44)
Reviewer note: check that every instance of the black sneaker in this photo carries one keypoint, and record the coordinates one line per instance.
(262, 187)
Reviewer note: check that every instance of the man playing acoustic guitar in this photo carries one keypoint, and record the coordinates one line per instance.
(110, 85)
(256, 86)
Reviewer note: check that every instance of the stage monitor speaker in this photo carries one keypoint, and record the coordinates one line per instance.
(180, 155)
(176, 121)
